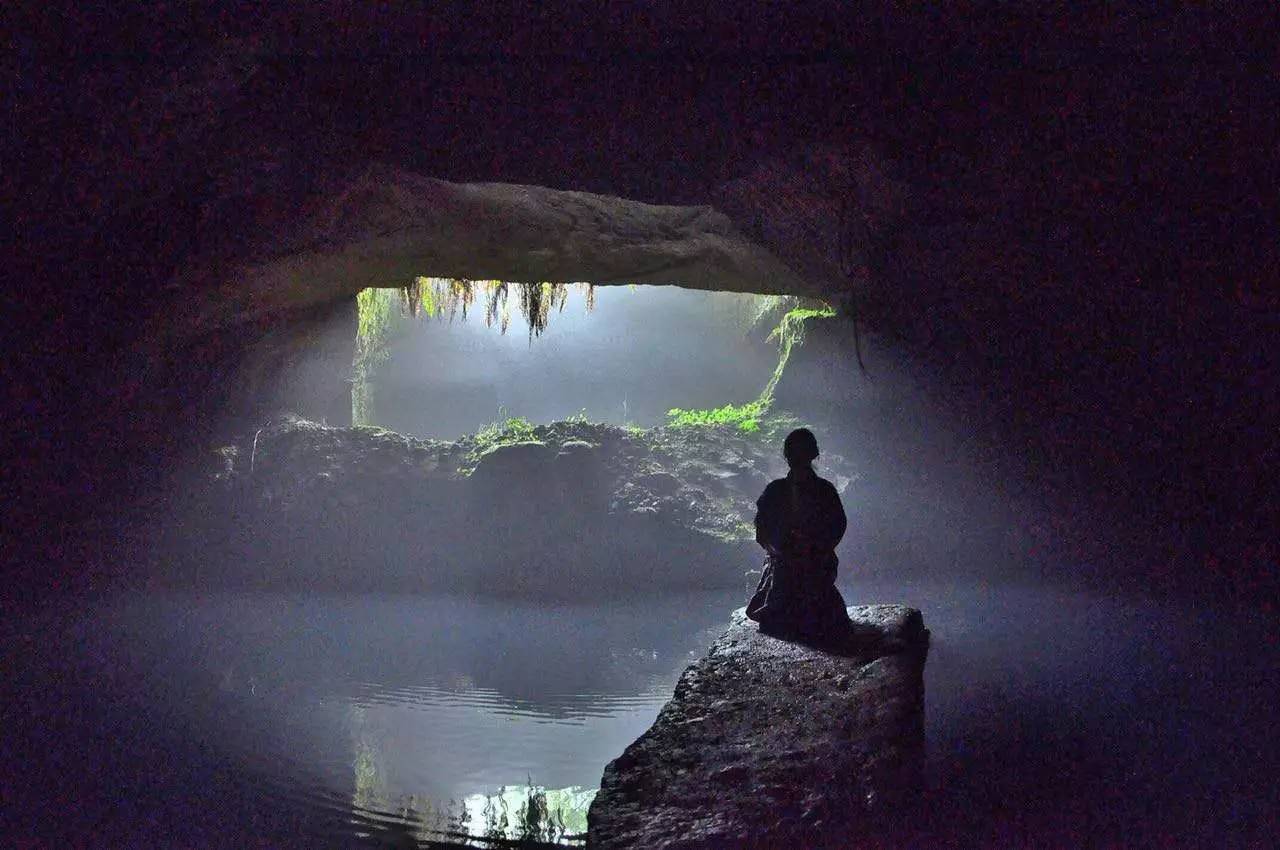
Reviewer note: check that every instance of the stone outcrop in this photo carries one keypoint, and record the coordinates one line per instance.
(568, 510)
(767, 743)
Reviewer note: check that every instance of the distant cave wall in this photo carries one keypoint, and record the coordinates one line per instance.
(1097, 340)
(1072, 212)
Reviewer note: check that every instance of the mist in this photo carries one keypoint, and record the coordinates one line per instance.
(635, 353)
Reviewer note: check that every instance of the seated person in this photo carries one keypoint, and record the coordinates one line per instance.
(799, 521)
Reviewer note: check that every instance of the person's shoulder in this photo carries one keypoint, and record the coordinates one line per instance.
(773, 487)
(827, 485)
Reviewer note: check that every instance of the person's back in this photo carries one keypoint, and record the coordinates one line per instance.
(799, 521)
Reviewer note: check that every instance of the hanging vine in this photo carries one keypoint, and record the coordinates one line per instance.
(440, 297)
(382, 310)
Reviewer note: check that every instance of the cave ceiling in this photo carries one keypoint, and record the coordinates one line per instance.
(388, 226)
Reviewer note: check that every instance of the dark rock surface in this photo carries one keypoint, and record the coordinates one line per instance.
(386, 226)
(767, 743)
(1010, 226)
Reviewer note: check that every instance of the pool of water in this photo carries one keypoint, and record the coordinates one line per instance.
(1054, 717)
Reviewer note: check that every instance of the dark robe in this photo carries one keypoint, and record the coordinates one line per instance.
(799, 521)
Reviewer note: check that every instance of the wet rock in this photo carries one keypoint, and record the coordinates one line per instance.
(767, 743)
(580, 449)
(659, 483)
(578, 459)
(523, 466)
(515, 458)
(572, 510)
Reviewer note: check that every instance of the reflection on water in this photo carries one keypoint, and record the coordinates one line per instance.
(1053, 717)
(315, 719)
(529, 813)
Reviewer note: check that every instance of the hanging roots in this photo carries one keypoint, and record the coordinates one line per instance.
(438, 296)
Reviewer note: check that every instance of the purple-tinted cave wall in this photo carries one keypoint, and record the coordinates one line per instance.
(1065, 209)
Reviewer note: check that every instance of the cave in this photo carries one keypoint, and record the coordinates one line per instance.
(600, 499)
(611, 444)
(394, 390)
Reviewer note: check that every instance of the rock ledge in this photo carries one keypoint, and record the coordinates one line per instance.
(767, 742)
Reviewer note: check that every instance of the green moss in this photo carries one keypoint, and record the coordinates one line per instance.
(788, 334)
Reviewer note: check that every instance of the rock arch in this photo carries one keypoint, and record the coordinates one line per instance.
(248, 323)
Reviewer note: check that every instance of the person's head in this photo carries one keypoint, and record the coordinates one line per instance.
(800, 448)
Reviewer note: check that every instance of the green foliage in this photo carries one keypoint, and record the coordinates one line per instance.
(744, 417)
(382, 312)
(379, 312)
(754, 417)
(503, 432)
(513, 429)
(793, 321)
(788, 334)
(439, 297)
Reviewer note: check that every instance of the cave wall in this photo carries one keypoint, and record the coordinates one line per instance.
(1064, 208)
(299, 362)
(240, 336)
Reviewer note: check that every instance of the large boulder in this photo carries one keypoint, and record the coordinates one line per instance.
(768, 743)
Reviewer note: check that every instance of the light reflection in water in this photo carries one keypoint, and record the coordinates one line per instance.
(315, 721)
(524, 812)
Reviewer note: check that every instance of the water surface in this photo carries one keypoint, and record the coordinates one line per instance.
(1054, 717)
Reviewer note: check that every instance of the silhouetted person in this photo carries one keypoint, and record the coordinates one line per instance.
(799, 521)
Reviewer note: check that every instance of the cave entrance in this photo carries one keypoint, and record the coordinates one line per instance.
(443, 358)
(560, 441)
(533, 438)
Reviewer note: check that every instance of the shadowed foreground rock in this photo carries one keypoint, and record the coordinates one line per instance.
(767, 742)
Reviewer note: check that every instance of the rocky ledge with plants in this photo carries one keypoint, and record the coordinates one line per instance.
(569, 509)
